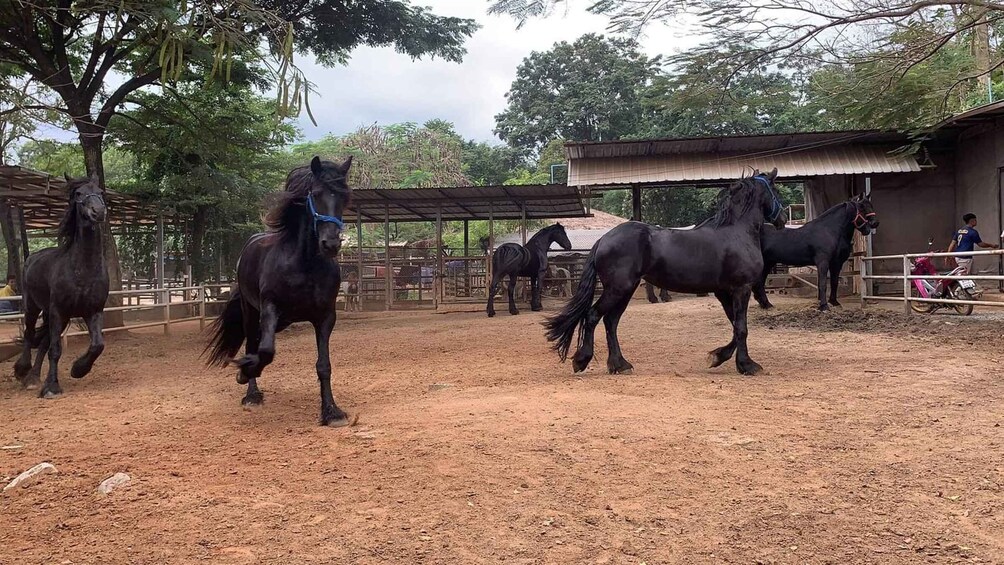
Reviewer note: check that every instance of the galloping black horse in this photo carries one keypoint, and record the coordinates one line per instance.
(721, 255)
(63, 282)
(527, 261)
(824, 242)
(288, 274)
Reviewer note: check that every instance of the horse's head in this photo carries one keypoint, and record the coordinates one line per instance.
(865, 219)
(559, 236)
(769, 200)
(87, 199)
(327, 197)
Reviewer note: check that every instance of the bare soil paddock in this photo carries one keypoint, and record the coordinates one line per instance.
(859, 446)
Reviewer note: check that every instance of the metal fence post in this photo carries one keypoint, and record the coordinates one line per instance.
(202, 307)
(906, 285)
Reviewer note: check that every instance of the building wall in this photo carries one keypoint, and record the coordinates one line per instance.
(981, 153)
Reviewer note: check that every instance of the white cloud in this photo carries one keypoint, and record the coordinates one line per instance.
(380, 85)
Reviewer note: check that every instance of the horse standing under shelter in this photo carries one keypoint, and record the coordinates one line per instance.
(288, 274)
(514, 260)
(721, 255)
(826, 242)
(64, 282)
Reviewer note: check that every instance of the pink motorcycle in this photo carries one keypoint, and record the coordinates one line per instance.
(952, 289)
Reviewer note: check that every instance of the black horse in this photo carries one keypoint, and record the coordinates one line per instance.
(288, 274)
(63, 282)
(514, 260)
(825, 242)
(721, 255)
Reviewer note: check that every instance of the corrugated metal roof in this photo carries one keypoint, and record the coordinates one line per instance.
(728, 144)
(43, 198)
(710, 166)
(466, 203)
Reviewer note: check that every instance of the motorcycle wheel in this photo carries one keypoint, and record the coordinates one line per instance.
(921, 307)
(959, 293)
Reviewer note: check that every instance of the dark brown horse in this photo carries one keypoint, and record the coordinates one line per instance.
(286, 275)
(64, 282)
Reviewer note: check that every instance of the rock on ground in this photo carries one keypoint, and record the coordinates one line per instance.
(30, 476)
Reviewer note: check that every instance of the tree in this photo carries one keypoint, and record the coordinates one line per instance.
(587, 91)
(207, 156)
(874, 44)
(73, 48)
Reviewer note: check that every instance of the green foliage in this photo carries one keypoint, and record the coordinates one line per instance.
(588, 90)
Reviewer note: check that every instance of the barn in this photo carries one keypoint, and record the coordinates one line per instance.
(921, 182)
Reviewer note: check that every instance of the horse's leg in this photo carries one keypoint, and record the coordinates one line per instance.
(760, 288)
(57, 323)
(492, 291)
(834, 283)
(512, 295)
(823, 269)
(650, 293)
(664, 295)
(608, 300)
(85, 362)
(536, 283)
(616, 363)
(248, 374)
(23, 364)
(34, 378)
(722, 354)
(744, 364)
(331, 414)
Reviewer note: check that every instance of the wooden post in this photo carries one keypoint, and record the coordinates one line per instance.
(164, 295)
(522, 213)
(359, 261)
(868, 243)
(388, 266)
(437, 284)
(467, 262)
(906, 285)
(491, 245)
(202, 307)
(636, 203)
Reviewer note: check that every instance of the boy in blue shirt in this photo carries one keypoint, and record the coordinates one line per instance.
(966, 239)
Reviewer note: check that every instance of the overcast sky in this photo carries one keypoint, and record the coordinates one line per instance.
(381, 86)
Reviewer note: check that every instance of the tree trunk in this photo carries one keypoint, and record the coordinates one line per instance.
(981, 47)
(197, 256)
(90, 141)
(10, 223)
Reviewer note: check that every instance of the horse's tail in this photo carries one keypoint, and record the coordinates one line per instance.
(561, 327)
(227, 333)
(507, 259)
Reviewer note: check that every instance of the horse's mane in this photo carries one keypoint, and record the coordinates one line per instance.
(287, 212)
(833, 209)
(734, 202)
(544, 233)
(68, 225)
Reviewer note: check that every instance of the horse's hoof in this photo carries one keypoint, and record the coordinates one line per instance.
(835, 303)
(491, 314)
(514, 312)
(766, 305)
(332, 417)
(255, 398)
(31, 383)
(50, 392)
(824, 307)
(579, 365)
(749, 368)
(21, 369)
(717, 357)
(79, 372)
(242, 379)
(624, 369)
(537, 309)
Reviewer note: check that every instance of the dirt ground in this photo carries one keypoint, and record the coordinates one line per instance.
(870, 441)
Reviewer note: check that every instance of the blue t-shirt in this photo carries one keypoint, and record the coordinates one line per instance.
(966, 238)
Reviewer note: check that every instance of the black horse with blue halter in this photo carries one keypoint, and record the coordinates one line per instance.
(776, 207)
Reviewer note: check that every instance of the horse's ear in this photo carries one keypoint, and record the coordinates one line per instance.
(772, 175)
(344, 167)
(315, 166)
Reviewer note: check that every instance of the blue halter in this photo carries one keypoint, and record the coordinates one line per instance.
(321, 217)
(775, 209)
